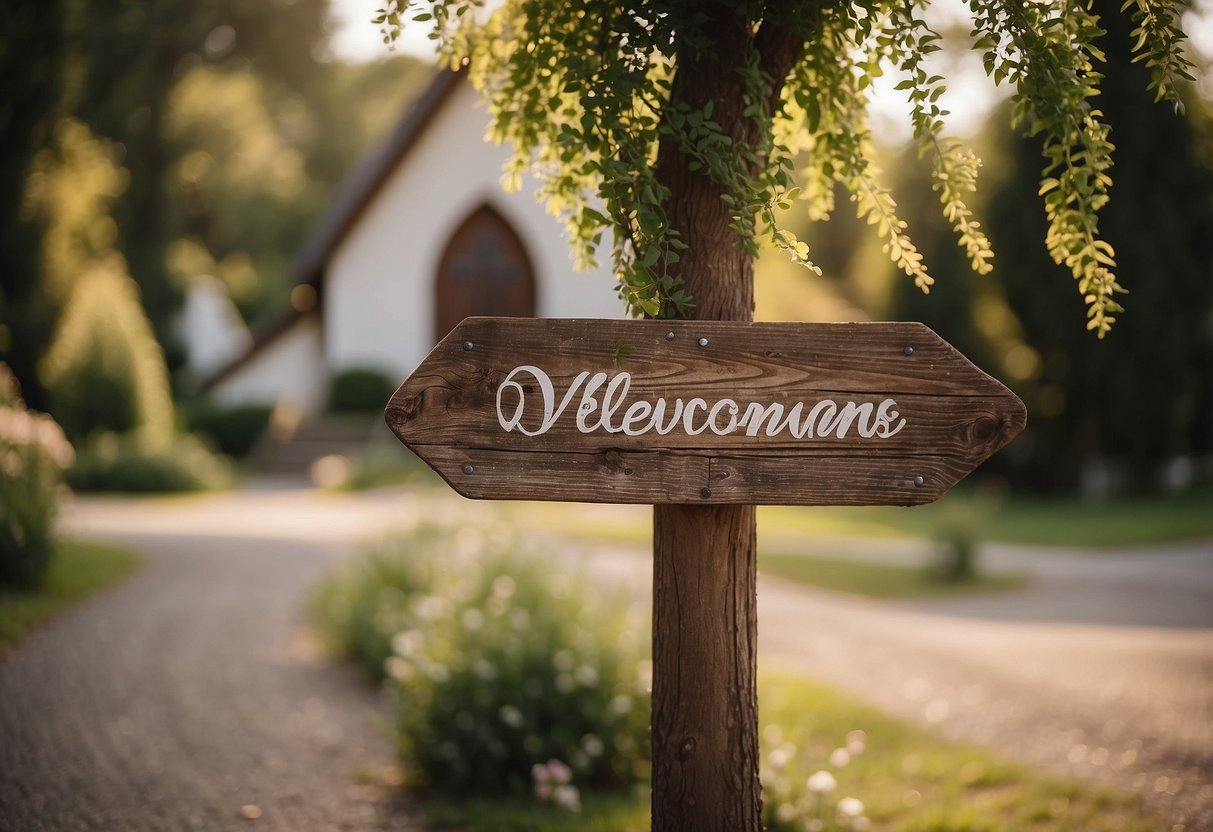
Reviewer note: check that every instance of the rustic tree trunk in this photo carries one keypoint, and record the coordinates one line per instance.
(705, 707)
(705, 701)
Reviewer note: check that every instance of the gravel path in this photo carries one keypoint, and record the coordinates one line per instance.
(189, 698)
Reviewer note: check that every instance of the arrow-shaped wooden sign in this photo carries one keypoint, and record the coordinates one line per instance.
(616, 411)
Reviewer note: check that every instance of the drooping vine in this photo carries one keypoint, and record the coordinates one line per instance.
(582, 92)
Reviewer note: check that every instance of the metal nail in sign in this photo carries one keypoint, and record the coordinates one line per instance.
(701, 412)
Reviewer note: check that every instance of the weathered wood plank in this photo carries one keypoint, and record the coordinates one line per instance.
(702, 412)
(613, 476)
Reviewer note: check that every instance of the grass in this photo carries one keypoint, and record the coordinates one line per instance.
(1061, 522)
(77, 569)
(911, 780)
(599, 813)
(908, 778)
(1064, 522)
(876, 580)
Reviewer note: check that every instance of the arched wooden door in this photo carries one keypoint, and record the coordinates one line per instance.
(484, 270)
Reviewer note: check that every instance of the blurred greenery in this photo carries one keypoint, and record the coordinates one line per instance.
(234, 431)
(1102, 524)
(360, 390)
(876, 580)
(511, 674)
(1130, 413)
(1068, 522)
(191, 138)
(77, 569)
(33, 454)
(105, 370)
(133, 463)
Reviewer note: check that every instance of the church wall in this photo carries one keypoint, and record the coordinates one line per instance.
(379, 288)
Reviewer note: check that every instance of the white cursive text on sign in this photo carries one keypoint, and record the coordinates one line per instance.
(602, 407)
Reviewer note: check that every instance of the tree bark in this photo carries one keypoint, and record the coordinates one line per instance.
(705, 706)
(705, 702)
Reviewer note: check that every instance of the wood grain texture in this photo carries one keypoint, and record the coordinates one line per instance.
(705, 713)
(956, 416)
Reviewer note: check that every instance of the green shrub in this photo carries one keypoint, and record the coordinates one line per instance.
(232, 430)
(33, 454)
(503, 663)
(360, 609)
(105, 371)
(129, 462)
(360, 390)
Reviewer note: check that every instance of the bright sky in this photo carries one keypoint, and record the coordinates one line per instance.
(358, 39)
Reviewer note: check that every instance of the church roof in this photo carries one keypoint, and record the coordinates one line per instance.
(356, 192)
(368, 176)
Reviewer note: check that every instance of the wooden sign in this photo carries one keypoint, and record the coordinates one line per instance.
(616, 411)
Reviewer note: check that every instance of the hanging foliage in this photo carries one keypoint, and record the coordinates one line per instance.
(584, 92)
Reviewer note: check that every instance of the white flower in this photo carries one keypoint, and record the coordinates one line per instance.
(472, 619)
(397, 668)
(856, 742)
(839, 757)
(619, 705)
(567, 797)
(511, 716)
(781, 756)
(821, 782)
(503, 586)
(407, 643)
(850, 807)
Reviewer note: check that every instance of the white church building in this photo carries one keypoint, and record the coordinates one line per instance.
(419, 236)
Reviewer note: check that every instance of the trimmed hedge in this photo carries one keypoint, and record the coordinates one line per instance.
(234, 431)
(360, 390)
(127, 462)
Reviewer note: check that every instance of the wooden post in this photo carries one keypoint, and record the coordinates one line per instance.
(705, 703)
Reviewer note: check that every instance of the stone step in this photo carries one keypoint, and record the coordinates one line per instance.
(295, 451)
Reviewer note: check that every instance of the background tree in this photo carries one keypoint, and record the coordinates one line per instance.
(129, 57)
(1123, 409)
(227, 123)
(676, 127)
(32, 58)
